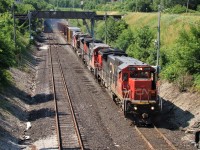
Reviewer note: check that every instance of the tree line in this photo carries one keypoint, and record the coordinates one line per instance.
(10, 52)
(174, 6)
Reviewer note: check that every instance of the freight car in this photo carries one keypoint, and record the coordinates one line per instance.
(132, 83)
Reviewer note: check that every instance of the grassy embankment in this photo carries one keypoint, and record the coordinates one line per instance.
(171, 24)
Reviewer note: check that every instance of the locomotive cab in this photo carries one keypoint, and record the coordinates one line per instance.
(143, 92)
(136, 87)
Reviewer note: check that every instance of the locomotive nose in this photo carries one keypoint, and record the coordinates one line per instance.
(140, 89)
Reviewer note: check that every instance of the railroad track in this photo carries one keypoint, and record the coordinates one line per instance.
(154, 139)
(69, 136)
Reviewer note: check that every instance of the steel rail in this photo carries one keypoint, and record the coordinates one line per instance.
(166, 140)
(144, 138)
(149, 144)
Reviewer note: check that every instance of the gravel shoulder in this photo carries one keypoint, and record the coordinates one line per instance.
(180, 115)
(28, 101)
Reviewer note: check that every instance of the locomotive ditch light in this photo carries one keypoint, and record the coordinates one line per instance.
(152, 107)
(135, 108)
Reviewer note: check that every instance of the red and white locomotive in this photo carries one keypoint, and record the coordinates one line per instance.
(132, 83)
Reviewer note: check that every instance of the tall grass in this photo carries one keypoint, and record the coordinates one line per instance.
(171, 24)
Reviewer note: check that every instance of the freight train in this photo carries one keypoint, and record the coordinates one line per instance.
(131, 82)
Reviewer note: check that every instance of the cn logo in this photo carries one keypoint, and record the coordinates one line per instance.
(141, 91)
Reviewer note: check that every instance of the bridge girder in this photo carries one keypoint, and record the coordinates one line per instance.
(65, 15)
(62, 14)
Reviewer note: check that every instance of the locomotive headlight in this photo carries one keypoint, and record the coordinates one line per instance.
(135, 108)
(152, 108)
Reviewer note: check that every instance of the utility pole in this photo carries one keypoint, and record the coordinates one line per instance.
(106, 27)
(187, 5)
(29, 18)
(14, 24)
(158, 56)
(158, 42)
(136, 6)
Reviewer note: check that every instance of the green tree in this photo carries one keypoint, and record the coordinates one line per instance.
(185, 57)
(189, 50)
(24, 8)
(114, 29)
(37, 4)
(7, 46)
(4, 5)
(111, 29)
(125, 39)
(144, 37)
(142, 48)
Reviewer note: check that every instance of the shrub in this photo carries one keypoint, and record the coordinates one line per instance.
(183, 66)
(198, 8)
(177, 9)
(197, 81)
(170, 72)
(125, 39)
(142, 46)
(5, 78)
(184, 81)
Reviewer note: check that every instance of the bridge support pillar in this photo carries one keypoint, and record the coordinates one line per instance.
(92, 27)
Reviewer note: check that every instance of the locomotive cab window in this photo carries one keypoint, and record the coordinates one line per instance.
(137, 74)
(125, 77)
(144, 74)
(133, 74)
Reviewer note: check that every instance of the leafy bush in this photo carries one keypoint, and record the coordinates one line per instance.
(197, 81)
(177, 9)
(184, 60)
(4, 5)
(5, 78)
(198, 8)
(170, 72)
(24, 8)
(111, 29)
(125, 39)
(142, 48)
